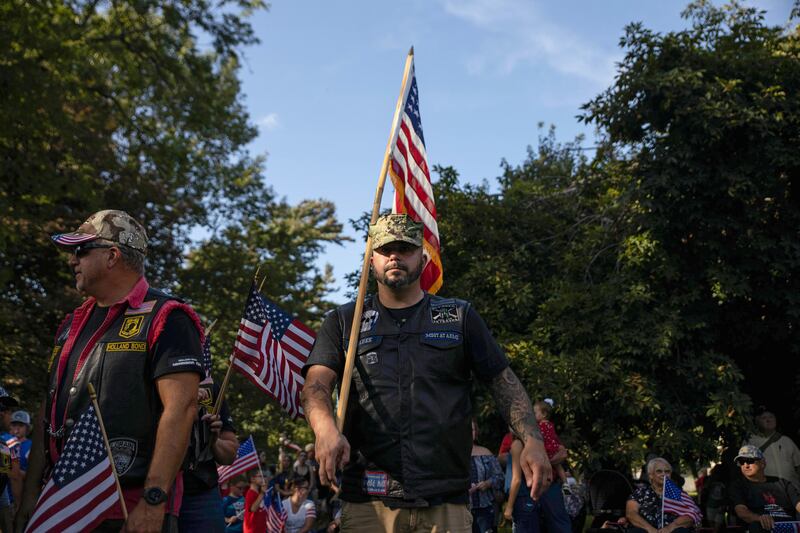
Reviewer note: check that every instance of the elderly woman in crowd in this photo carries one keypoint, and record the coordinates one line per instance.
(643, 509)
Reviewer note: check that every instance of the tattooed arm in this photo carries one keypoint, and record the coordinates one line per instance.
(515, 406)
(332, 449)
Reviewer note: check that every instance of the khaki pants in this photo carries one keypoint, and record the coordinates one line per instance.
(375, 517)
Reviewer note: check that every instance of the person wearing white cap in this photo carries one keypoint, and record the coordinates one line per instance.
(758, 499)
(20, 427)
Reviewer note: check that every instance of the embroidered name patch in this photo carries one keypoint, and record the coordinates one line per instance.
(131, 346)
(375, 482)
(442, 338)
(444, 314)
(131, 326)
(145, 308)
(369, 340)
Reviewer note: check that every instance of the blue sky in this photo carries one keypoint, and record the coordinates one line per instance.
(323, 83)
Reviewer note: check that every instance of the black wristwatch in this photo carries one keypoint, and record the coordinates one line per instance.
(154, 495)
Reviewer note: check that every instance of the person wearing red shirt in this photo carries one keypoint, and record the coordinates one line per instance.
(255, 514)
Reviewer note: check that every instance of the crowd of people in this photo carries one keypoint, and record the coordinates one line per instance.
(406, 457)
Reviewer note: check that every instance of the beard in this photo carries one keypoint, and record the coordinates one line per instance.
(398, 282)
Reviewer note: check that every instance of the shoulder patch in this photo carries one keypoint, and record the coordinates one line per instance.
(445, 313)
(368, 320)
(146, 307)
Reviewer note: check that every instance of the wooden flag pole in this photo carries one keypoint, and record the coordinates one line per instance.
(93, 396)
(224, 386)
(210, 327)
(344, 392)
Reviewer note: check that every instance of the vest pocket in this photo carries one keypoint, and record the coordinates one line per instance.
(444, 355)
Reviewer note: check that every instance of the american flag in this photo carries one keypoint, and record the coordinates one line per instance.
(271, 349)
(413, 192)
(276, 514)
(786, 527)
(14, 446)
(678, 502)
(246, 458)
(82, 488)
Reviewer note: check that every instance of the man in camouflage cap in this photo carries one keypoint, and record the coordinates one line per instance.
(109, 225)
(141, 349)
(405, 449)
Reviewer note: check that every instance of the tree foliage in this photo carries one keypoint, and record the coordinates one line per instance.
(126, 105)
(640, 288)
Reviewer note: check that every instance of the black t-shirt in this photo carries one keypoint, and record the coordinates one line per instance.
(178, 342)
(487, 358)
(775, 497)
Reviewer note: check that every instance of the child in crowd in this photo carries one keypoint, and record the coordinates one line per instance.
(542, 412)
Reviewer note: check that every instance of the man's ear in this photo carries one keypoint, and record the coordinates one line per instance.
(114, 257)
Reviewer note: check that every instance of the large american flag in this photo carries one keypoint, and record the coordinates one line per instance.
(276, 514)
(246, 458)
(82, 488)
(413, 192)
(271, 349)
(678, 502)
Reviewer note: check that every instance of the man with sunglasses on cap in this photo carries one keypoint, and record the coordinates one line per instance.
(142, 351)
(760, 500)
(409, 415)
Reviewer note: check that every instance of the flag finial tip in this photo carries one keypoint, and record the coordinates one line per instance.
(411, 51)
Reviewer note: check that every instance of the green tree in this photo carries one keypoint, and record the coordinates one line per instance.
(709, 117)
(284, 244)
(112, 105)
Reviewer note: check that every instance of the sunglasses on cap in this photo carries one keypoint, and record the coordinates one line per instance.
(746, 461)
(83, 249)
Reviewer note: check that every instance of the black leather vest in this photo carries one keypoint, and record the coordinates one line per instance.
(120, 368)
(409, 412)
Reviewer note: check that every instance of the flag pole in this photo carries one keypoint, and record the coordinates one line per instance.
(224, 386)
(344, 390)
(93, 396)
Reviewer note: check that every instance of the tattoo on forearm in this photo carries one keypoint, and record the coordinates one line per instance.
(316, 394)
(514, 404)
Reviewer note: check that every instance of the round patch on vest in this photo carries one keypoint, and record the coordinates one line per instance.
(123, 450)
(368, 320)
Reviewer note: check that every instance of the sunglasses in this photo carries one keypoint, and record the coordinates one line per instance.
(82, 250)
(742, 462)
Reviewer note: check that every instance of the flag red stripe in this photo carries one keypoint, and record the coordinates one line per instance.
(73, 493)
(75, 517)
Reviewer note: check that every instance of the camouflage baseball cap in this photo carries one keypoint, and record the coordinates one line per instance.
(394, 228)
(111, 225)
(748, 451)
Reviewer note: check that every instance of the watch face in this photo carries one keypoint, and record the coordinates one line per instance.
(154, 496)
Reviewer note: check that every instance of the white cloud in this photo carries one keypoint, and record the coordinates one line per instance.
(516, 33)
(269, 122)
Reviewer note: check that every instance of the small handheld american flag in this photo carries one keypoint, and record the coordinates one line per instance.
(82, 488)
(271, 349)
(246, 458)
(678, 502)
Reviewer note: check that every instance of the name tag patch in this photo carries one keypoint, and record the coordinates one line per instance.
(442, 338)
(131, 346)
(375, 483)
